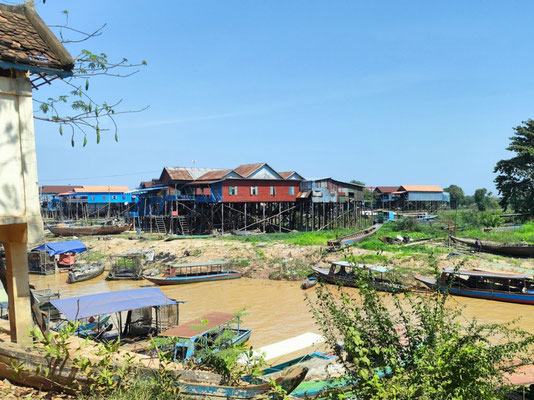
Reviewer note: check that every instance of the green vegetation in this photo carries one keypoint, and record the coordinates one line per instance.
(514, 182)
(524, 234)
(296, 238)
(289, 269)
(416, 346)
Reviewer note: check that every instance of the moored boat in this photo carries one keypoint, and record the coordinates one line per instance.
(214, 329)
(506, 249)
(337, 244)
(343, 273)
(192, 273)
(75, 230)
(513, 288)
(309, 282)
(88, 271)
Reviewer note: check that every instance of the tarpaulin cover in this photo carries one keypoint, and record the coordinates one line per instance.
(105, 303)
(70, 246)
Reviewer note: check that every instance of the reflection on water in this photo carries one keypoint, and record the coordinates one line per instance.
(277, 310)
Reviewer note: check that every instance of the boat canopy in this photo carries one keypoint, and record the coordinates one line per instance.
(201, 264)
(375, 268)
(487, 274)
(70, 246)
(75, 308)
(199, 326)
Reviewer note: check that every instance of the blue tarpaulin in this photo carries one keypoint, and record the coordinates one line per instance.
(70, 246)
(105, 303)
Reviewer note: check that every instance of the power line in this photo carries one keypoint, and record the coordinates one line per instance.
(97, 177)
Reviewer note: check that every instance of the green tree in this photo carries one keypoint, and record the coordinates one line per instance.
(515, 181)
(416, 347)
(457, 195)
(481, 199)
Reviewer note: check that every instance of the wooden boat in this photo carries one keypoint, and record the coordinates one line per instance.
(513, 288)
(288, 383)
(337, 244)
(308, 282)
(204, 331)
(74, 230)
(506, 249)
(27, 367)
(84, 273)
(208, 271)
(342, 273)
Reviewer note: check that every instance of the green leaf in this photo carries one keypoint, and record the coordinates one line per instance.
(116, 137)
(84, 141)
(97, 134)
(87, 84)
(61, 130)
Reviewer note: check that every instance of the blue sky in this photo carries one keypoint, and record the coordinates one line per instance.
(386, 92)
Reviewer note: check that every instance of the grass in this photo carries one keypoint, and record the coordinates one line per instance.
(295, 238)
(524, 234)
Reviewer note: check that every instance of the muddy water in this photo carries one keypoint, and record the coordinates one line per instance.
(277, 310)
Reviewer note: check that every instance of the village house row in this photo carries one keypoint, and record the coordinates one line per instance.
(191, 200)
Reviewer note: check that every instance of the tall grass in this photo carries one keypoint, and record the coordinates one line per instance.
(296, 238)
(524, 234)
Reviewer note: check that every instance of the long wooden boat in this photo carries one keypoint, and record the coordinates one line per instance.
(73, 230)
(84, 273)
(208, 271)
(26, 367)
(342, 273)
(337, 244)
(506, 249)
(512, 288)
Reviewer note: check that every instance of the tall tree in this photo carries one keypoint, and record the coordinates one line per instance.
(515, 181)
(481, 199)
(457, 195)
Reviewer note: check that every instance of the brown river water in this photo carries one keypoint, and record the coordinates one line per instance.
(277, 310)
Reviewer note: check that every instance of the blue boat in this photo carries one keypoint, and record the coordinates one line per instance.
(512, 288)
(203, 332)
(208, 271)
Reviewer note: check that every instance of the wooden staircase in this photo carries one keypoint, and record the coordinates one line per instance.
(184, 226)
(160, 224)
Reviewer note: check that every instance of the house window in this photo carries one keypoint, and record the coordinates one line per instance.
(253, 190)
(291, 190)
(232, 190)
(113, 197)
(124, 197)
(103, 197)
(92, 197)
(273, 191)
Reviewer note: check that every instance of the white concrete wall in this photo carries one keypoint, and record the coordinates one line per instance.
(19, 194)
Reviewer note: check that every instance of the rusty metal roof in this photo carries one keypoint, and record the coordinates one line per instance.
(304, 195)
(197, 327)
(26, 42)
(246, 169)
(288, 174)
(187, 173)
(420, 188)
(387, 189)
(101, 189)
(215, 175)
(57, 188)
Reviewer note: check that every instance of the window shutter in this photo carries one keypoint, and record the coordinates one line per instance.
(235, 190)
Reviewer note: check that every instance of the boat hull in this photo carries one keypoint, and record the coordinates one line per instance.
(506, 249)
(337, 244)
(193, 279)
(382, 285)
(88, 230)
(74, 276)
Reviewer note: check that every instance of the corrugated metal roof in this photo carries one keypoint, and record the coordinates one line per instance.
(215, 175)
(58, 188)
(188, 173)
(199, 325)
(420, 188)
(387, 189)
(288, 174)
(101, 189)
(246, 169)
(489, 274)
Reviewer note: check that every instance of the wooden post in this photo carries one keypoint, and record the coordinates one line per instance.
(14, 238)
